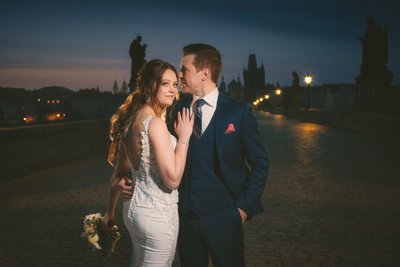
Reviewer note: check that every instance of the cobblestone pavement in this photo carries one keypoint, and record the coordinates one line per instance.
(332, 199)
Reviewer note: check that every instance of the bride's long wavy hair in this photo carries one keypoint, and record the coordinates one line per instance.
(147, 86)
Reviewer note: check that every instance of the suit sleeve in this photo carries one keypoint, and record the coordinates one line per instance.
(256, 157)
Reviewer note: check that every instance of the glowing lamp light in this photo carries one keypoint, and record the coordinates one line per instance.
(278, 91)
(266, 96)
(308, 79)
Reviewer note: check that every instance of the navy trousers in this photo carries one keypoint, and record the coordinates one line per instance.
(219, 234)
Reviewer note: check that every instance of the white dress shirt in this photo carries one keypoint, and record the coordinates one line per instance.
(208, 108)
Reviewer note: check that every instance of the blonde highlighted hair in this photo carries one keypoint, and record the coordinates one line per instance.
(148, 83)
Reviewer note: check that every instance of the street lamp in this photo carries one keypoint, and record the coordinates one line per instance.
(308, 80)
(278, 93)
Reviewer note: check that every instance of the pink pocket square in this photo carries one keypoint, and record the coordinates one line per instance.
(230, 128)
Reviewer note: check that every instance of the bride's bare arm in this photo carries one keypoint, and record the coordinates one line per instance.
(171, 163)
(120, 170)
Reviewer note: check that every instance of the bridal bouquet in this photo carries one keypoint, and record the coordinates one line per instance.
(97, 236)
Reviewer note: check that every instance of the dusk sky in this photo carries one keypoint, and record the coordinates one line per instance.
(84, 44)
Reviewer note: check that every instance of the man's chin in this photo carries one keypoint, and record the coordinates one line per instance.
(186, 89)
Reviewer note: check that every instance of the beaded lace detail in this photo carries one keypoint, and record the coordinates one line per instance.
(150, 190)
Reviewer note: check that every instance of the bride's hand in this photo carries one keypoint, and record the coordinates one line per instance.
(184, 125)
(107, 222)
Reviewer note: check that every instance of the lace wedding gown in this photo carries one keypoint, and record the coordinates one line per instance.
(151, 215)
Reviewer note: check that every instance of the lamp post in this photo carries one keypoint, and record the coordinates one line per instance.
(278, 93)
(308, 80)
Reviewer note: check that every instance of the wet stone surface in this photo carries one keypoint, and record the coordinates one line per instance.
(332, 199)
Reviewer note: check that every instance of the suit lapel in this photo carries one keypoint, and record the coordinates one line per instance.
(221, 114)
(186, 100)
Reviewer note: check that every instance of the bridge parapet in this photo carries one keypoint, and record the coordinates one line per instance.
(32, 148)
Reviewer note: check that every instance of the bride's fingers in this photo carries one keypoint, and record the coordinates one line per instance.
(179, 117)
(183, 113)
(188, 114)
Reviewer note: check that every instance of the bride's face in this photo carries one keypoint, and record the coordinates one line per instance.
(168, 89)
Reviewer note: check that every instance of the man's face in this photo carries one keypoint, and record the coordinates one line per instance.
(190, 78)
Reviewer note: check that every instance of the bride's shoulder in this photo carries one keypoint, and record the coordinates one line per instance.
(156, 124)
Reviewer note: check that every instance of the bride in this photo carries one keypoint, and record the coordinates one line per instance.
(142, 145)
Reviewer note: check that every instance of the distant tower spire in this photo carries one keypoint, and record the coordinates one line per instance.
(115, 87)
(254, 79)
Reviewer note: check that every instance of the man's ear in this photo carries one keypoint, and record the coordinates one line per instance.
(206, 73)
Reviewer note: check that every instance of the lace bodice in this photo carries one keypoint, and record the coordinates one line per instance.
(150, 190)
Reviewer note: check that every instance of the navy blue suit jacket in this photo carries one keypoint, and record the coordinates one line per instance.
(242, 157)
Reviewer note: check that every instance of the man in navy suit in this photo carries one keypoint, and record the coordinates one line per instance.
(226, 168)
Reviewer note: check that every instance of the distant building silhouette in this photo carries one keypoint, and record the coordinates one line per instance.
(124, 88)
(235, 89)
(55, 104)
(137, 52)
(115, 88)
(373, 83)
(254, 79)
(222, 86)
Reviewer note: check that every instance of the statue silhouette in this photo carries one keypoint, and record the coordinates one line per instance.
(137, 52)
(373, 83)
(295, 81)
(375, 51)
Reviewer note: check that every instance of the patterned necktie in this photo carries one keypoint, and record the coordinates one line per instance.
(197, 117)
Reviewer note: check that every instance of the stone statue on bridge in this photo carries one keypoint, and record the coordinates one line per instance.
(293, 96)
(137, 52)
(296, 80)
(373, 83)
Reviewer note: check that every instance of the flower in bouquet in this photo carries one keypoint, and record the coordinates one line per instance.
(98, 235)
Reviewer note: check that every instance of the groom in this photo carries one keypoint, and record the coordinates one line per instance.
(226, 168)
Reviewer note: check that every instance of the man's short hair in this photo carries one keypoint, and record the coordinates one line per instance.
(206, 56)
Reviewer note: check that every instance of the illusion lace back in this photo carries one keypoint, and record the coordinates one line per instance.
(151, 215)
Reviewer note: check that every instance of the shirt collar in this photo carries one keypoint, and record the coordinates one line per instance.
(211, 99)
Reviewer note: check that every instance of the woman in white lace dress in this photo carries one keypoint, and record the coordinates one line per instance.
(142, 144)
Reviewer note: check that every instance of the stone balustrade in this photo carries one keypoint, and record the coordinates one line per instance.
(27, 149)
